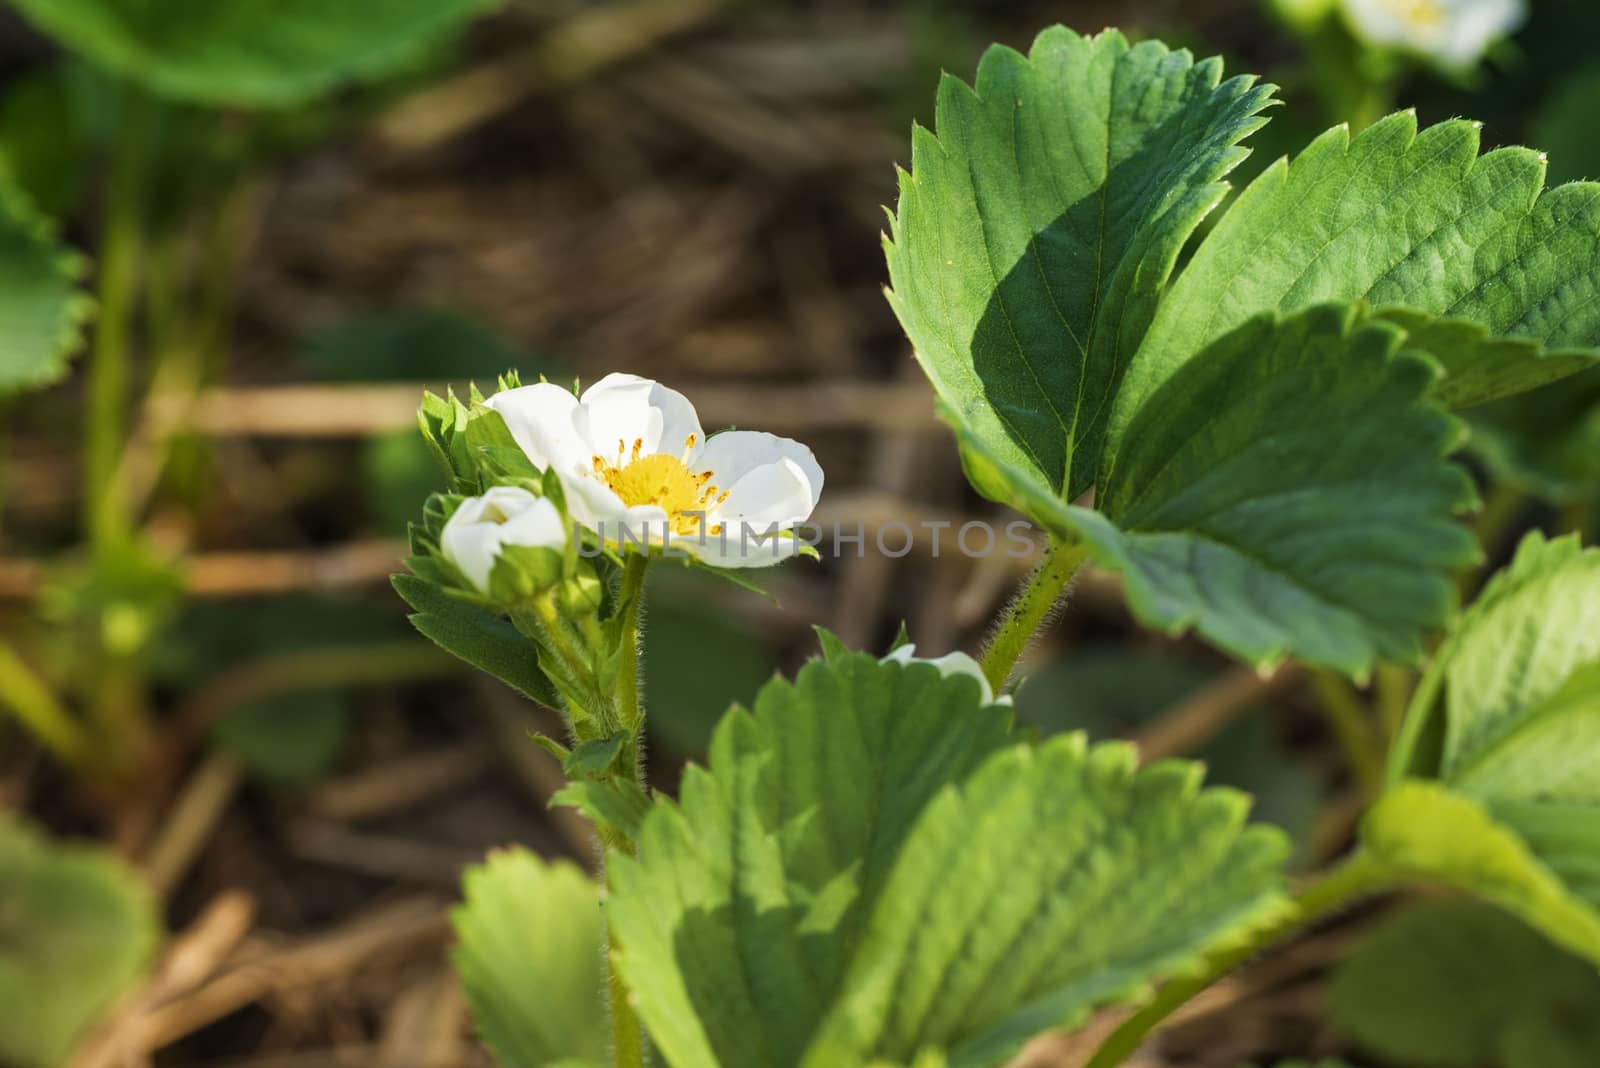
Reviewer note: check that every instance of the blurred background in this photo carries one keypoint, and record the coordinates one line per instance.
(202, 666)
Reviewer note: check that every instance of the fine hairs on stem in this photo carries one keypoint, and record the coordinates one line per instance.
(1037, 604)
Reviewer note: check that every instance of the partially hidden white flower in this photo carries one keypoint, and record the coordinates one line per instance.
(505, 515)
(632, 457)
(949, 664)
(1452, 33)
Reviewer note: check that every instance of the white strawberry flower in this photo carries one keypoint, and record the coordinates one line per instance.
(957, 663)
(1452, 33)
(632, 458)
(506, 515)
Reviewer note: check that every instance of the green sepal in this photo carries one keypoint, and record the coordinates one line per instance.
(595, 757)
(443, 422)
(832, 647)
(550, 745)
(620, 804)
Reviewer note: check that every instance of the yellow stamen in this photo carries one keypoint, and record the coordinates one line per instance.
(1427, 13)
(664, 481)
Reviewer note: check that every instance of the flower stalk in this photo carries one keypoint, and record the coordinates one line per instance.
(1030, 609)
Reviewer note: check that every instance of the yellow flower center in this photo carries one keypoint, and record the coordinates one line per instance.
(1422, 13)
(664, 481)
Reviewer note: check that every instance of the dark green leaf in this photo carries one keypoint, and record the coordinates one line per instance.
(1396, 218)
(1034, 234)
(482, 640)
(263, 53)
(1461, 985)
(595, 756)
(291, 740)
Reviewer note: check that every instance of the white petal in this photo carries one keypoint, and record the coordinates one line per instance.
(769, 498)
(729, 550)
(541, 419)
(621, 409)
(538, 525)
(768, 479)
(641, 525)
(591, 500)
(950, 664)
(734, 453)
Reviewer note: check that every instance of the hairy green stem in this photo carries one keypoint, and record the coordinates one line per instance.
(1351, 725)
(1030, 608)
(631, 597)
(37, 709)
(1358, 877)
(627, 1037)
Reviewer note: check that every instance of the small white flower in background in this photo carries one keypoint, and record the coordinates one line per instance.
(506, 515)
(1452, 33)
(631, 455)
(949, 664)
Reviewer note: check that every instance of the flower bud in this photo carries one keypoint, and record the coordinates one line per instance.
(508, 542)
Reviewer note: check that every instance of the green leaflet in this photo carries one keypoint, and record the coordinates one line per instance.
(1286, 492)
(1457, 984)
(530, 957)
(1396, 218)
(806, 899)
(1546, 441)
(1425, 831)
(1034, 234)
(1054, 880)
(260, 53)
(42, 310)
(1508, 721)
(1521, 660)
(76, 929)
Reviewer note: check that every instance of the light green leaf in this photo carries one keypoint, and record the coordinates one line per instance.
(42, 310)
(76, 930)
(1424, 831)
(1457, 984)
(530, 955)
(805, 899)
(1512, 668)
(1508, 719)
(1395, 218)
(261, 53)
(1034, 233)
(1054, 880)
(1286, 493)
